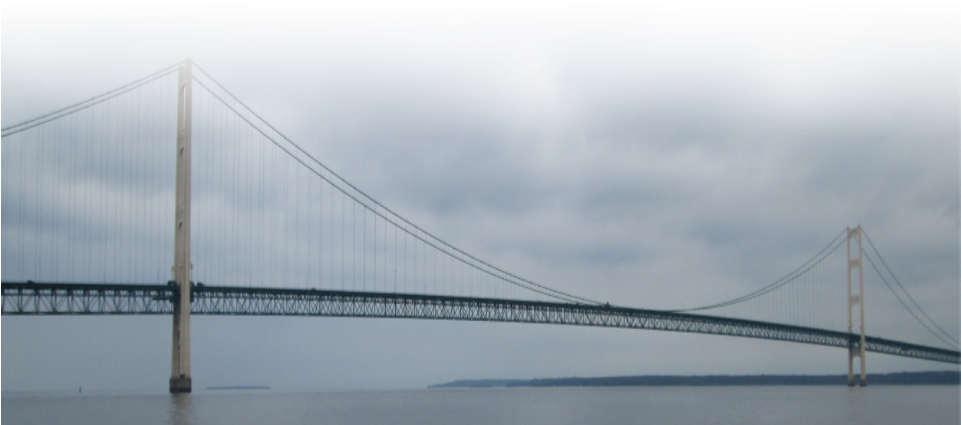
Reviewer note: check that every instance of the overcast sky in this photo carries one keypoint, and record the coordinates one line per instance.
(655, 156)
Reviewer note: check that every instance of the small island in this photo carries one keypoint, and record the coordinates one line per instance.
(239, 387)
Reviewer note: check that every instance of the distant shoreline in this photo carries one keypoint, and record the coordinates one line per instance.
(897, 378)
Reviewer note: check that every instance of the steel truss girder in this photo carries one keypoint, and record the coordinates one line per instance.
(66, 298)
(52, 298)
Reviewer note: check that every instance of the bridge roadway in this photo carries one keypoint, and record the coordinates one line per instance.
(29, 298)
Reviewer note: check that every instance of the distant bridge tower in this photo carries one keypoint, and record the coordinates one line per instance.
(180, 361)
(856, 349)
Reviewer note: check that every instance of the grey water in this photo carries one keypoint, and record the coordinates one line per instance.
(878, 405)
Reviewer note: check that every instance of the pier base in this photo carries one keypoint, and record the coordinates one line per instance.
(180, 385)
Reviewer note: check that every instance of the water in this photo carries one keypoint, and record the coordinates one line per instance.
(879, 405)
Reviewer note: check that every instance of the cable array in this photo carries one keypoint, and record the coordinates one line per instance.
(815, 295)
(96, 100)
(88, 197)
(914, 308)
(87, 193)
(407, 245)
(787, 279)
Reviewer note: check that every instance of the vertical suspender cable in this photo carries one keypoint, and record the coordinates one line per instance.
(56, 191)
(364, 257)
(353, 246)
(38, 212)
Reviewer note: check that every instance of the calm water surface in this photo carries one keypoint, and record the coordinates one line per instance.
(877, 405)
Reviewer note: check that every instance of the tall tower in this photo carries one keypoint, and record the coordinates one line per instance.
(180, 360)
(856, 348)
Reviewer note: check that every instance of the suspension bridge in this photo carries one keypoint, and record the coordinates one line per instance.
(262, 227)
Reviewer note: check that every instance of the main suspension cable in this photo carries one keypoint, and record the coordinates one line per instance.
(77, 107)
(371, 199)
(954, 342)
(543, 290)
(790, 277)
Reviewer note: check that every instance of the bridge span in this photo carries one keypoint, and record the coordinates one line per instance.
(30, 298)
(83, 187)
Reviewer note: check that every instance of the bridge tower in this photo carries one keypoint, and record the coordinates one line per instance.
(180, 361)
(856, 348)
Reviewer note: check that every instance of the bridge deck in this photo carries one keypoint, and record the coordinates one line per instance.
(28, 298)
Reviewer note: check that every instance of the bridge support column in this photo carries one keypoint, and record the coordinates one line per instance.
(856, 348)
(180, 381)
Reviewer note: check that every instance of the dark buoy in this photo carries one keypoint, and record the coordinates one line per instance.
(81, 390)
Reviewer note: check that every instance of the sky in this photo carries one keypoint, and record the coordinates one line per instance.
(657, 155)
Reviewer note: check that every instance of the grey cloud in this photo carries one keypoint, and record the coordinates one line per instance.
(645, 165)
